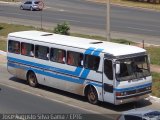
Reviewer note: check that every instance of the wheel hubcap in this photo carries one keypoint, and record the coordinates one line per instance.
(32, 79)
(92, 96)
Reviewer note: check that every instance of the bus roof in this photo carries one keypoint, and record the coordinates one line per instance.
(114, 49)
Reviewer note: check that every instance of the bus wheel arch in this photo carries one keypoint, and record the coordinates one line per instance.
(32, 78)
(91, 94)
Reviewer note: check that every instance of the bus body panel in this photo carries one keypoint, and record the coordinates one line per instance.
(135, 90)
(93, 78)
(72, 78)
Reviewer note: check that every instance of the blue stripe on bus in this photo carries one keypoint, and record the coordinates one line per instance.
(60, 77)
(94, 84)
(133, 88)
(78, 70)
(75, 73)
(89, 50)
(74, 80)
(86, 71)
(97, 52)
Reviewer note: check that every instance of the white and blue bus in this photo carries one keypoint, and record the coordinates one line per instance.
(99, 70)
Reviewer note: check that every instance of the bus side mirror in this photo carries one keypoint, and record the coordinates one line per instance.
(117, 68)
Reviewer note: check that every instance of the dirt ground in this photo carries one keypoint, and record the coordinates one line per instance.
(2, 59)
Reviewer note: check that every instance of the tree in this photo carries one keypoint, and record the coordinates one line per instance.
(62, 29)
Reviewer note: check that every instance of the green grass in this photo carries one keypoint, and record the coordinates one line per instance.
(154, 53)
(3, 45)
(138, 4)
(8, 28)
(5, 29)
(156, 84)
(11, 0)
(122, 41)
(132, 3)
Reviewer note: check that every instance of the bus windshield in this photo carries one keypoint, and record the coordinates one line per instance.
(132, 68)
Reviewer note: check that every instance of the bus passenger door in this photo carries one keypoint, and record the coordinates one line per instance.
(108, 94)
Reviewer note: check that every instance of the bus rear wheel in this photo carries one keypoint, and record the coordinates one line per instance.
(92, 95)
(32, 79)
(31, 9)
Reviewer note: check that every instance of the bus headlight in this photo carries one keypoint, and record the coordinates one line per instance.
(148, 88)
(121, 93)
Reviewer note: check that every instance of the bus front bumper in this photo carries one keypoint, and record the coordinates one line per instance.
(131, 98)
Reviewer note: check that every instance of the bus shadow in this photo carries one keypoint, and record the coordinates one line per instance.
(50, 89)
(117, 108)
(64, 93)
(18, 80)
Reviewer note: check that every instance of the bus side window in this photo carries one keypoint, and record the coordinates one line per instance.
(108, 70)
(42, 52)
(92, 62)
(74, 58)
(27, 49)
(14, 47)
(58, 55)
(10, 46)
(23, 49)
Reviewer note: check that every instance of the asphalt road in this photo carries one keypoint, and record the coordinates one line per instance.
(16, 97)
(15, 101)
(89, 15)
(20, 104)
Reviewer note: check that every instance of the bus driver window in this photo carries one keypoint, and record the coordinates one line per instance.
(61, 56)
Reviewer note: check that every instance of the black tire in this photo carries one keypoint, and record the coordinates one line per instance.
(32, 79)
(92, 95)
(21, 7)
(31, 9)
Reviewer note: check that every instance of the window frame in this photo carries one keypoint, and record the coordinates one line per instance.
(64, 62)
(79, 61)
(87, 63)
(28, 2)
(32, 45)
(19, 52)
(112, 69)
(36, 52)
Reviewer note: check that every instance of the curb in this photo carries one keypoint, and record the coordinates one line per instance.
(156, 99)
(3, 53)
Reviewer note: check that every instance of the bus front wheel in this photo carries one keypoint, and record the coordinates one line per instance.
(32, 79)
(92, 95)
